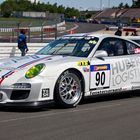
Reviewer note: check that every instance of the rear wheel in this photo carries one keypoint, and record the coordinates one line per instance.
(68, 90)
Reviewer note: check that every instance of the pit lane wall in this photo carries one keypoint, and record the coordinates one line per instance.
(11, 49)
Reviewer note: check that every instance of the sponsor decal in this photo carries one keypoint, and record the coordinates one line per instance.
(105, 91)
(102, 67)
(20, 59)
(83, 63)
(135, 87)
(125, 70)
(35, 57)
(92, 42)
(137, 51)
(85, 69)
(45, 93)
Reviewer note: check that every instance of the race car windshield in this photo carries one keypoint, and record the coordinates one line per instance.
(80, 47)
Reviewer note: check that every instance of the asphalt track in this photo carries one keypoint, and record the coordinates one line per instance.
(106, 118)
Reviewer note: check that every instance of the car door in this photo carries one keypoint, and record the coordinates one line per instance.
(134, 56)
(115, 72)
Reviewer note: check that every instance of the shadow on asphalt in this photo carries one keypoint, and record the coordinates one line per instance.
(23, 110)
(91, 100)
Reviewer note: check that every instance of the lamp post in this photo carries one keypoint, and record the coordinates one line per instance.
(100, 5)
(108, 3)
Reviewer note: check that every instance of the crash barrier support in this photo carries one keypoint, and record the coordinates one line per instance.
(11, 49)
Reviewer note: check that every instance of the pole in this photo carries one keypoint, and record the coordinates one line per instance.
(100, 5)
(108, 3)
(29, 32)
(56, 31)
(42, 30)
(18, 25)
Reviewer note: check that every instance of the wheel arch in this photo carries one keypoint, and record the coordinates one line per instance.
(78, 73)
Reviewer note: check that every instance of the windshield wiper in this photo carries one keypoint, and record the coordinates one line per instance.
(56, 51)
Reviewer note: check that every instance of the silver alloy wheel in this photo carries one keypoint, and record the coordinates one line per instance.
(70, 88)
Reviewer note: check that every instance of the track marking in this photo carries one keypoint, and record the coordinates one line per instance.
(59, 113)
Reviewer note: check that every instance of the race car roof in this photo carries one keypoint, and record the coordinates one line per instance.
(87, 34)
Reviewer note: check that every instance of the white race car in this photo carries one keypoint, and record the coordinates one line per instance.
(70, 68)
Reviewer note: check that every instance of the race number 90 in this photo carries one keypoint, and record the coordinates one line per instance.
(100, 78)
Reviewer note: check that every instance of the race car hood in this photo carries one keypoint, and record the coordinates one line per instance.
(22, 62)
(12, 65)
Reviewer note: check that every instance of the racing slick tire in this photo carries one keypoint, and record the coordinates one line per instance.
(68, 89)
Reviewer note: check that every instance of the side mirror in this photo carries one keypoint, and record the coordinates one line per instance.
(100, 53)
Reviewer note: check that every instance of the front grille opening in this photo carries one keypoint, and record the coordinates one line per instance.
(1, 96)
(19, 94)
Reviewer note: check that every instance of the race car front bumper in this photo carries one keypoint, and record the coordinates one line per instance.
(36, 104)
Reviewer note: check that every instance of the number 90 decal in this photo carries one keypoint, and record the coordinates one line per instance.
(100, 76)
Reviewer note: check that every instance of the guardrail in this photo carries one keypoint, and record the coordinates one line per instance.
(11, 49)
(114, 28)
(34, 29)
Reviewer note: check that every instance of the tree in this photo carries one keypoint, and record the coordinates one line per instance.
(121, 5)
(8, 6)
(126, 5)
(71, 12)
(61, 9)
(136, 3)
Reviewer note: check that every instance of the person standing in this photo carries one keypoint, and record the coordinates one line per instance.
(127, 33)
(22, 45)
(134, 33)
(119, 31)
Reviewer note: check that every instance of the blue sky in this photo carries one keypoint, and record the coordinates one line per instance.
(86, 4)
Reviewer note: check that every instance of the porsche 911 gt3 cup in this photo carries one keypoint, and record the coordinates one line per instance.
(69, 69)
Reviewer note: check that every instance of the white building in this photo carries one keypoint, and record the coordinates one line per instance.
(34, 1)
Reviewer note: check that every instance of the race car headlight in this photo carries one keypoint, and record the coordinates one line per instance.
(34, 71)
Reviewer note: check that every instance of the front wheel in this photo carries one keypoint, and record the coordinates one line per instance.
(68, 90)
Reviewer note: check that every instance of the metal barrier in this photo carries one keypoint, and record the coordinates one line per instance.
(11, 49)
(33, 29)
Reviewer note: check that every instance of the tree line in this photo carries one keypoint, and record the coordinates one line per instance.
(8, 6)
(135, 4)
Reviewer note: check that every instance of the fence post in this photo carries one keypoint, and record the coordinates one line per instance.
(12, 37)
(29, 33)
(18, 25)
(56, 31)
(42, 25)
(41, 33)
